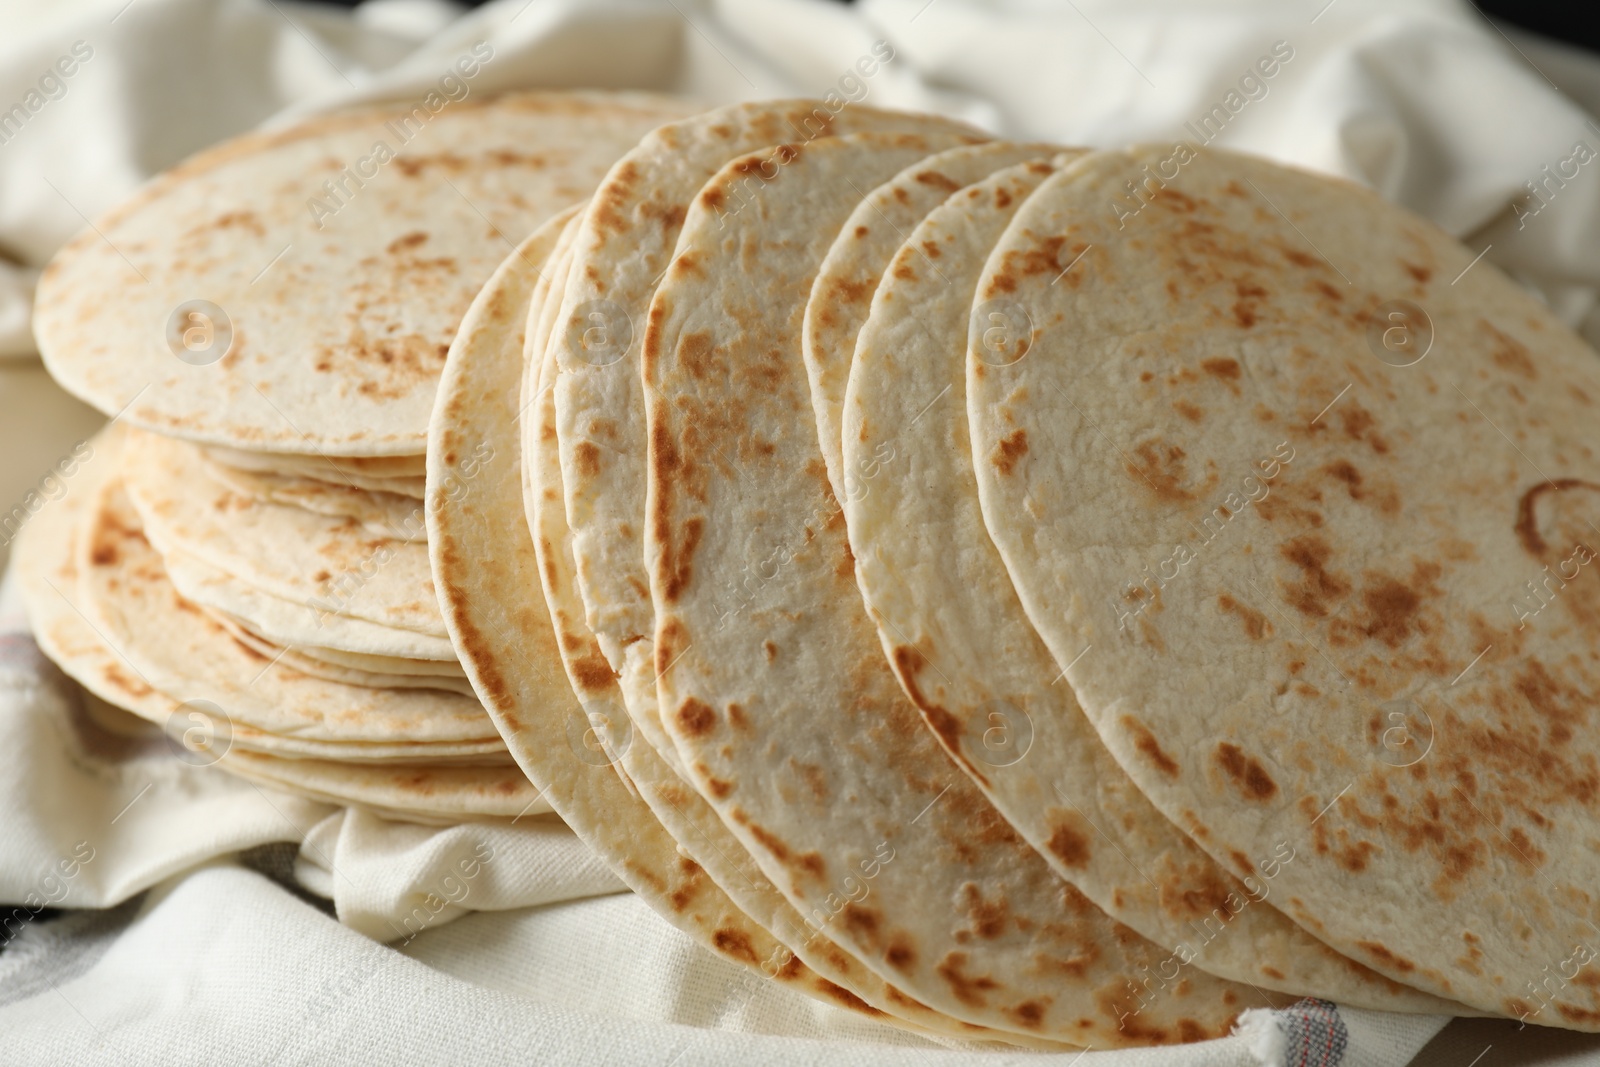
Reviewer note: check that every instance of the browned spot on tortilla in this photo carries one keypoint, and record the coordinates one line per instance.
(718, 788)
(1509, 353)
(1189, 411)
(967, 989)
(1385, 957)
(1227, 369)
(1391, 609)
(1013, 447)
(851, 291)
(1255, 624)
(696, 718)
(770, 841)
(1146, 743)
(1248, 775)
(121, 681)
(410, 240)
(1421, 274)
(900, 955)
(938, 181)
(1573, 1014)
(1318, 585)
(1354, 857)
(1029, 1014)
(587, 457)
(908, 663)
(770, 649)
(1002, 197)
(1069, 843)
(846, 998)
(736, 944)
(987, 917)
(1161, 470)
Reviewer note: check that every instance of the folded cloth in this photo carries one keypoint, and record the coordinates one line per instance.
(222, 966)
(531, 952)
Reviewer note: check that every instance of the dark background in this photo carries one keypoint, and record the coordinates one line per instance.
(1574, 21)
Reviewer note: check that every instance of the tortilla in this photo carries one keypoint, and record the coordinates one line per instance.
(326, 468)
(59, 615)
(966, 655)
(841, 296)
(681, 811)
(624, 245)
(330, 565)
(186, 655)
(482, 550)
(296, 290)
(387, 513)
(1295, 519)
(440, 794)
(327, 634)
(790, 722)
(317, 667)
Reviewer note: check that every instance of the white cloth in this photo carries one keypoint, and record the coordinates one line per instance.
(531, 952)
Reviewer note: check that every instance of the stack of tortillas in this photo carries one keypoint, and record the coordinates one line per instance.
(1026, 595)
(243, 560)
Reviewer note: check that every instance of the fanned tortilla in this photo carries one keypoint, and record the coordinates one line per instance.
(841, 296)
(332, 261)
(966, 655)
(1299, 476)
(329, 565)
(790, 722)
(619, 253)
(685, 815)
(482, 549)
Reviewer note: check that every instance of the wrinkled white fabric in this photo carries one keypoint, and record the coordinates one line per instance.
(532, 953)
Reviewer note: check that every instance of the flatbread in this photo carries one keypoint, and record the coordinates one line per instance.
(966, 655)
(790, 722)
(330, 565)
(624, 245)
(186, 655)
(58, 613)
(684, 814)
(428, 793)
(328, 634)
(327, 468)
(340, 302)
(1295, 519)
(318, 667)
(388, 513)
(841, 296)
(482, 549)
